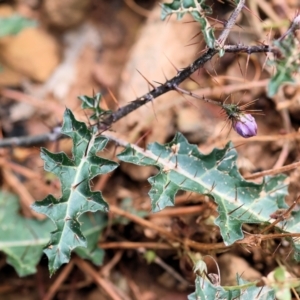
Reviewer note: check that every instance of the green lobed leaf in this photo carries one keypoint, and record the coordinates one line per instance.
(182, 167)
(198, 9)
(13, 24)
(77, 198)
(243, 291)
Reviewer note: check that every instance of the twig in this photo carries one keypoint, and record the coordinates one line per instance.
(26, 198)
(21, 97)
(219, 247)
(103, 283)
(59, 280)
(230, 23)
(137, 295)
(137, 9)
(135, 245)
(167, 268)
(105, 270)
(285, 215)
(27, 141)
(169, 85)
(179, 211)
(274, 171)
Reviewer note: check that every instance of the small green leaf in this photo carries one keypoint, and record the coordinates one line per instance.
(77, 198)
(14, 24)
(150, 256)
(93, 103)
(279, 274)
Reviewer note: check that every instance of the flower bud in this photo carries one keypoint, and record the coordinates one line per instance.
(245, 125)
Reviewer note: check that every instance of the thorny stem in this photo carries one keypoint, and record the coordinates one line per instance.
(229, 24)
(177, 88)
(293, 27)
(169, 85)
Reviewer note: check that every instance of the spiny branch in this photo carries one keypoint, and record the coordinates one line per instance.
(230, 23)
(181, 75)
(169, 85)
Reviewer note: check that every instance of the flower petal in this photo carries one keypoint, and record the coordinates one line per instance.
(245, 125)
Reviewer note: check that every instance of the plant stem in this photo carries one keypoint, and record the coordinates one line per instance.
(230, 23)
(169, 85)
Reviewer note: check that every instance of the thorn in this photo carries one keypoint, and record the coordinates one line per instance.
(243, 213)
(158, 82)
(177, 70)
(166, 79)
(192, 44)
(247, 65)
(258, 295)
(154, 111)
(197, 34)
(273, 254)
(188, 101)
(113, 97)
(260, 211)
(77, 184)
(134, 92)
(159, 156)
(238, 61)
(152, 85)
(196, 174)
(231, 212)
(249, 10)
(167, 184)
(143, 136)
(212, 187)
(183, 182)
(288, 255)
(212, 77)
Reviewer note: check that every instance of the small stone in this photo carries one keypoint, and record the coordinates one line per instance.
(33, 53)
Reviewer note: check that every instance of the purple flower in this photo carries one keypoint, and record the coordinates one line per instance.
(245, 125)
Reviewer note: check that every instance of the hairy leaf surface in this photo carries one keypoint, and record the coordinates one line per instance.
(77, 198)
(182, 167)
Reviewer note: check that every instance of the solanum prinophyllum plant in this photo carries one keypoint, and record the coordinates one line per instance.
(180, 167)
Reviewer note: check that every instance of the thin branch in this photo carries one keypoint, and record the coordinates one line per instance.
(273, 171)
(28, 141)
(230, 23)
(169, 85)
